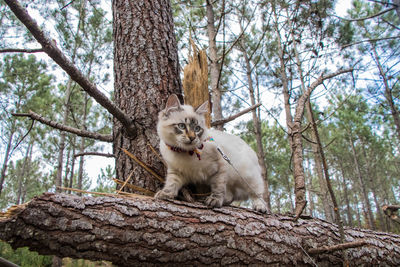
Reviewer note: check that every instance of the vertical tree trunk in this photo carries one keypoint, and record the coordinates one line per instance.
(257, 129)
(214, 66)
(326, 200)
(294, 128)
(388, 93)
(358, 213)
(22, 174)
(82, 144)
(368, 210)
(146, 72)
(7, 156)
(66, 101)
(67, 169)
(346, 196)
(71, 176)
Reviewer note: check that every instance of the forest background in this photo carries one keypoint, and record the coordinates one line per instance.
(256, 42)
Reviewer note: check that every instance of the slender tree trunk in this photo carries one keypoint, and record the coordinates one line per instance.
(67, 100)
(26, 185)
(146, 72)
(294, 128)
(82, 144)
(6, 157)
(71, 176)
(310, 194)
(346, 196)
(67, 169)
(358, 213)
(257, 129)
(368, 210)
(22, 173)
(388, 93)
(326, 200)
(214, 66)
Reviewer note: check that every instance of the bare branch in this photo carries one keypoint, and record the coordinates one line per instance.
(107, 155)
(51, 49)
(231, 118)
(59, 126)
(369, 17)
(21, 50)
(371, 40)
(303, 98)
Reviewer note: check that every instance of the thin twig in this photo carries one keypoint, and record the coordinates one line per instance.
(147, 168)
(67, 4)
(231, 118)
(125, 183)
(134, 187)
(371, 40)
(369, 17)
(354, 244)
(22, 139)
(156, 153)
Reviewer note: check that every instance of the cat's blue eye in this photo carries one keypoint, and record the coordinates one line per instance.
(197, 129)
(181, 126)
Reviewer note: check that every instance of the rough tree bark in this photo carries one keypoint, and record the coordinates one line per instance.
(146, 71)
(140, 231)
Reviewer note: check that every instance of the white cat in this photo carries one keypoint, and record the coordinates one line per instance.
(190, 151)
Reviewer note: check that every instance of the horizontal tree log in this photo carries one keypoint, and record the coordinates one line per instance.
(140, 231)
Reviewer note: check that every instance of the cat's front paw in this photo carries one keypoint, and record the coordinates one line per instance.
(260, 206)
(163, 194)
(214, 201)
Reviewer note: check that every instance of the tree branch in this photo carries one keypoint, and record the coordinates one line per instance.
(107, 155)
(303, 98)
(21, 50)
(371, 40)
(138, 230)
(51, 49)
(369, 17)
(83, 133)
(325, 249)
(231, 118)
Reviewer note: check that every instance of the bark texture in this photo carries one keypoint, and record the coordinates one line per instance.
(139, 231)
(146, 72)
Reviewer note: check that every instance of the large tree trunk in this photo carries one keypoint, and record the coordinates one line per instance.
(139, 231)
(146, 72)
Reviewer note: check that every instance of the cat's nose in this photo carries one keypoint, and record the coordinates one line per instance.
(191, 138)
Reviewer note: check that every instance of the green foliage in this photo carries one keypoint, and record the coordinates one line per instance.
(23, 257)
(104, 180)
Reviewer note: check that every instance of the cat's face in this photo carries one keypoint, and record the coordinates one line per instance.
(181, 126)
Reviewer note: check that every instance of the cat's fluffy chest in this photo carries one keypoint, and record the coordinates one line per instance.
(190, 167)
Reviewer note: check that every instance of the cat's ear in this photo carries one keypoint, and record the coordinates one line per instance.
(172, 102)
(203, 109)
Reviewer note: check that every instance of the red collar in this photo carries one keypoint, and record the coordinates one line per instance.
(190, 152)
